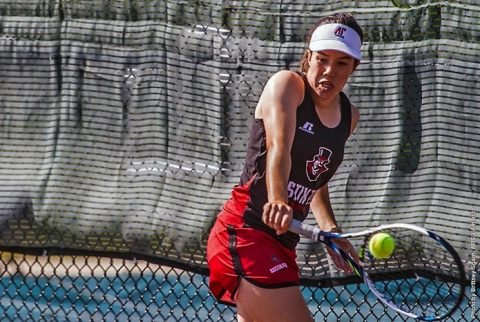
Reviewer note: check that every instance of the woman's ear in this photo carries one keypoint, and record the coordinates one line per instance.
(355, 65)
(307, 57)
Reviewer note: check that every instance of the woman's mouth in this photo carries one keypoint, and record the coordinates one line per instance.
(325, 85)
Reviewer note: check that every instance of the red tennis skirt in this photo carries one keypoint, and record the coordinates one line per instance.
(235, 252)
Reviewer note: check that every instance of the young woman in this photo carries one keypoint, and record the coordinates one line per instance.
(296, 144)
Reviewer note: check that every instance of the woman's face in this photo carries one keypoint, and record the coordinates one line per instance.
(328, 72)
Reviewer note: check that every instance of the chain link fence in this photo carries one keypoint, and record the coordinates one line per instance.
(90, 288)
(123, 127)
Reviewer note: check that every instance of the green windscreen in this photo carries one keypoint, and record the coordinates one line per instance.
(123, 124)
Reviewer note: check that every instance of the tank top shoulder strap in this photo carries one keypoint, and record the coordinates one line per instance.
(307, 99)
(346, 108)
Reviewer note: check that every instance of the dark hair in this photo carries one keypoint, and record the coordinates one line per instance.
(346, 19)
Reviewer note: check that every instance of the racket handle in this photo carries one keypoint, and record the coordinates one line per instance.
(305, 230)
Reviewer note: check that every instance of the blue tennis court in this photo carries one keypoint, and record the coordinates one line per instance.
(175, 297)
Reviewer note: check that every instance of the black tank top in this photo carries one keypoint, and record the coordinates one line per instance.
(316, 153)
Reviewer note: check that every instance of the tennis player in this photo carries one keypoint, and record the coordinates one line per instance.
(296, 144)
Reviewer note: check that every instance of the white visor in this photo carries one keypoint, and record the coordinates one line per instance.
(336, 36)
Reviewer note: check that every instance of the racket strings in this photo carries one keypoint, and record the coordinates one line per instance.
(421, 276)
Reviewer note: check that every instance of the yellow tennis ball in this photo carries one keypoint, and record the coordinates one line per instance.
(381, 245)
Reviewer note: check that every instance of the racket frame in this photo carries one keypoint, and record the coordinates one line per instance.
(328, 239)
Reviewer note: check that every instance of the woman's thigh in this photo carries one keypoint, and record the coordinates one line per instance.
(260, 304)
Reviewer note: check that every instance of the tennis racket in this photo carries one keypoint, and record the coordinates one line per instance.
(424, 277)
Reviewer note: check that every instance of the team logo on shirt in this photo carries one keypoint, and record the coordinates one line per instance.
(318, 165)
(278, 266)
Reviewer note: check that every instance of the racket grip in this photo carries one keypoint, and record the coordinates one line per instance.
(305, 230)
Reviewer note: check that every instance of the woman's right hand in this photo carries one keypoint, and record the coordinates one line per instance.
(278, 215)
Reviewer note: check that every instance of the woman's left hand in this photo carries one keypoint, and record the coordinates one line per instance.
(338, 260)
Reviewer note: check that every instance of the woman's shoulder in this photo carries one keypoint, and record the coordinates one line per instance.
(286, 83)
(284, 89)
(288, 76)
